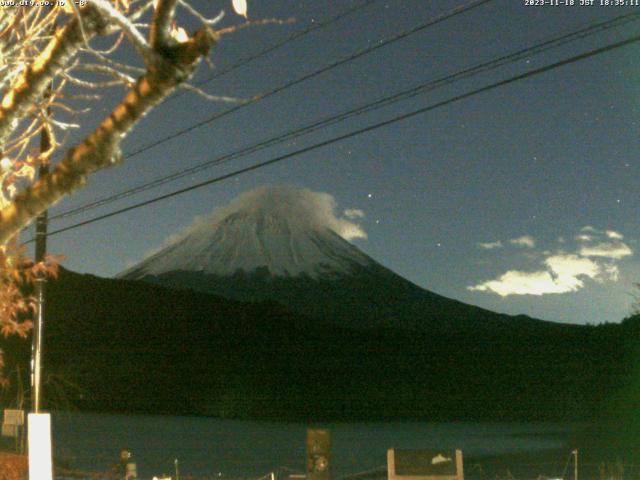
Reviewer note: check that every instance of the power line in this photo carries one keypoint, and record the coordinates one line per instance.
(360, 53)
(292, 37)
(360, 131)
(250, 58)
(403, 95)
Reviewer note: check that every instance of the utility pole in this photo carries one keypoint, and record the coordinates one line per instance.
(39, 424)
(575, 464)
(40, 288)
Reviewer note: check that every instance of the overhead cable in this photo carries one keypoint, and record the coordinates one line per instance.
(368, 107)
(375, 126)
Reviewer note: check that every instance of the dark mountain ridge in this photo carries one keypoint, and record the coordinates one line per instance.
(369, 297)
(130, 346)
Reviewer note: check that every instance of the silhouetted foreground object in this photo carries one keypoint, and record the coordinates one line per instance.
(318, 454)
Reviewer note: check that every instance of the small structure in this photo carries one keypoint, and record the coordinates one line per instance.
(424, 465)
(318, 454)
(12, 421)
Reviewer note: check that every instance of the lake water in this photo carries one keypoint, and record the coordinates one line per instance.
(230, 448)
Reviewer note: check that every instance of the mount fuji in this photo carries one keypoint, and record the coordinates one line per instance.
(279, 230)
(287, 245)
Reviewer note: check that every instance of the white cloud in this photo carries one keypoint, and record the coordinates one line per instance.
(614, 250)
(595, 234)
(583, 237)
(490, 245)
(353, 213)
(566, 269)
(610, 244)
(515, 282)
(612, 234)
(349, 230)
(524, 241)
(564, 272)
(309, 209)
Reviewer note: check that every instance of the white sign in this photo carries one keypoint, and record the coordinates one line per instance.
(40, 467)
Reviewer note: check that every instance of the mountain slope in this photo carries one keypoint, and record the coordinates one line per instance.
(279, 244)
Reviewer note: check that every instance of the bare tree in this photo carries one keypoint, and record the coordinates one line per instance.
(48, 62)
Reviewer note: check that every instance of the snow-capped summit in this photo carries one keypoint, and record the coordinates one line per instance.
(285, 230)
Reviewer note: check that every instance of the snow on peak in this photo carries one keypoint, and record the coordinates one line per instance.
(290, 231)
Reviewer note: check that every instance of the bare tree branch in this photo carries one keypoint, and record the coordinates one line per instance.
(47, 57)
(211, 98)
(117, 18)
(33, 81)
(102, 148)
(160, 32)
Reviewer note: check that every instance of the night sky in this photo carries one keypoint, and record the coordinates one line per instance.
(522, 199)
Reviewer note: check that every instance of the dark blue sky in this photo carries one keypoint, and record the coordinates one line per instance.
(520, 200)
